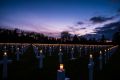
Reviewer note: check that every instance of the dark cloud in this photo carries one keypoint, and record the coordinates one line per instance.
(100, 19)
(73, 29)
(83, 28)
(80, 23)
(109, 29)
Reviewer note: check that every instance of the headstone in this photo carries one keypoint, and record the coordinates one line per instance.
(17, 54)
(100, 60)
(105, 57)
(72, 54)
(50, 51)
(91, 67)
(5, 61)
(12, 49)
(40, 59)
(61, 73)
(60, 56)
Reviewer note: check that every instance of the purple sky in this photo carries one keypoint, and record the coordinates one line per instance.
(54, 16)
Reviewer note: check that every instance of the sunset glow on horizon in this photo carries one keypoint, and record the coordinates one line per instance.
(51, 17)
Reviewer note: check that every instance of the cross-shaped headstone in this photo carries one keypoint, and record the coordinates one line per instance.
(17, 54)
(5, 61)
(100, 60)
(72, 54)
(105, 57)
(60, 56)
(50, 51)
(90, 67)
(40, 59)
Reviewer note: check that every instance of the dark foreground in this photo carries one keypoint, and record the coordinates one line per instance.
(26, 68)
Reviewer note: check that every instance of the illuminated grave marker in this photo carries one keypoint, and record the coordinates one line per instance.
(5, 61)
(72, 54)
(17, 54)
(61, 73)
(60, 56)
(4, 49)
(80, 52)
(108, 54)
(50, 51)
(100, 61)
(36, 50)
(22, 49)
(105, 57)
(40, 59)
(90, 67)
(12, 49)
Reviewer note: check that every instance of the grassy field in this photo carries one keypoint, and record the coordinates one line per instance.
(27, 67)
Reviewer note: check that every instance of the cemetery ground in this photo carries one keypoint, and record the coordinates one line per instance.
(27, 67)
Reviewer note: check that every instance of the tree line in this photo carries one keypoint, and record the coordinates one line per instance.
(16, 35)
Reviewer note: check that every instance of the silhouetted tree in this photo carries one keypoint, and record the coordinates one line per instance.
(103, 39)
(65, 36)
(116, 38)
(75, 39)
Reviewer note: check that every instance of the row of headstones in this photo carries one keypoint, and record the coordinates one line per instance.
(72, 50)
(107, 55)
(60, 54)
(81, 50)
(40, 57)
(5, 60)
(61, 73)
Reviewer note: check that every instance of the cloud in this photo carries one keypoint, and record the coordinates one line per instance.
(100, 19)
(80, 23)
(109, 29)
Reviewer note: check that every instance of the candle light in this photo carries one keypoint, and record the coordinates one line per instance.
(90, 55)
(72, 48)
(60, 55)
(17, 54)
(60, 49)
(40, 59)
(41, 51)
(100, 61)
(105, 50)
(17, 48)
(72, 54)
(61, 67)
(5, 54)
(90, 67)
(61, 73)
(105, 57)
(5, 61)
(100, 52)
(50, 51)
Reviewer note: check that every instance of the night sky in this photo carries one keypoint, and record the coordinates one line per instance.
(51, 17)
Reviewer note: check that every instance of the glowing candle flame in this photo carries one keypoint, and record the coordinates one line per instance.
(72, 48)
(61, 67)
(41, 51)
(60, 49)
(5, 54)
(100, 52)
(105, 50)
(90, 55)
